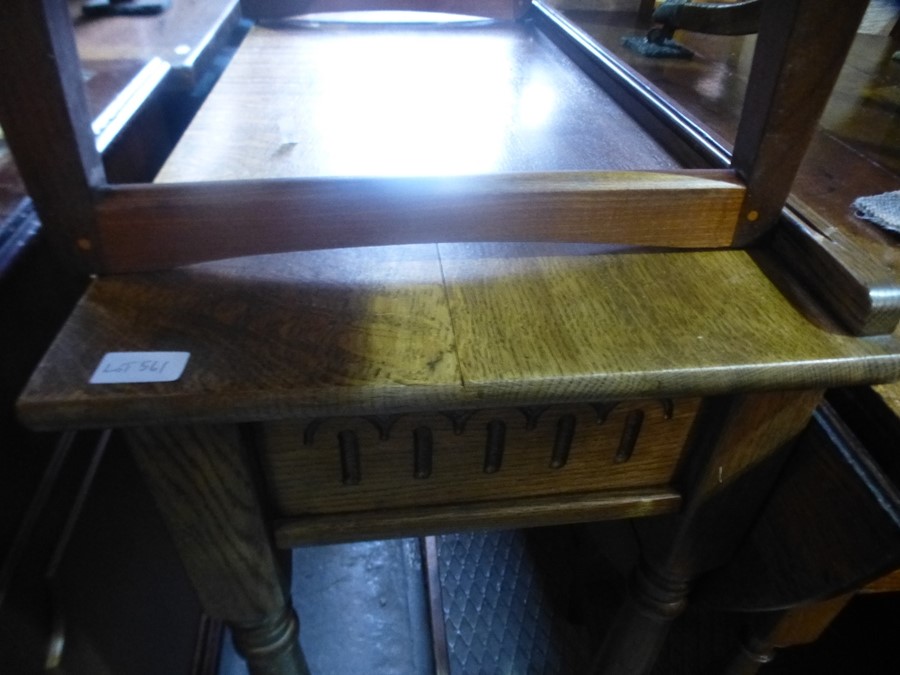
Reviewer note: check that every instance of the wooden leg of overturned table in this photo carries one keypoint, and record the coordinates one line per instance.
(787, 628)
(736, 453)
(201, 480)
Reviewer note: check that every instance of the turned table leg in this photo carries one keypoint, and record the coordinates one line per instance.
(788, 628)
(732, 462)
(201, 480)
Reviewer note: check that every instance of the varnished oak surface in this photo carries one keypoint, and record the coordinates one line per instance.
(429, 327)
(163, 226)
(310, 482)
(440, 327)
(854, 152)
(890, 393)
(379, 101)
(332, 135)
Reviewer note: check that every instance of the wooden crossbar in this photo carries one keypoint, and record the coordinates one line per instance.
(146, 227)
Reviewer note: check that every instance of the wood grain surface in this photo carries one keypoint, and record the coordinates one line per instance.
(202, 481)
(489, 134)
(305, 477)
(599, 314)
(890, 393)
(394, 329)
(409, 328)
(49, 133)
(830, 527)
(854, 265)
(855, 278)
(797, 60)
(505, 513)
(730, 465)
(103, 82)
(853, 150)
(195, 471)
(338, 101)
(165, 226)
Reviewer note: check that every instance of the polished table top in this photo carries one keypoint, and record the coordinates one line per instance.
(392, 329)
(301, 100)
(396, 329)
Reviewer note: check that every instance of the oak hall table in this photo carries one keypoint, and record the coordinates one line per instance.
(368, 392)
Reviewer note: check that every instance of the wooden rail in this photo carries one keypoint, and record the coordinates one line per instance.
(145, 227)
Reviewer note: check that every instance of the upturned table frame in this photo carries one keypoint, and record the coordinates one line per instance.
(216, 451)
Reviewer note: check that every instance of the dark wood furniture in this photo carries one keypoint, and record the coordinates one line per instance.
(116, 221)
(850, 266)
(408, 387)
(142, 78)
(127, 104)
(57, 598)
(852, 153)
(829, 531)
(188, 36)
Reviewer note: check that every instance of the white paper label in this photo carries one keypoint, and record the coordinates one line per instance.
(130, 367)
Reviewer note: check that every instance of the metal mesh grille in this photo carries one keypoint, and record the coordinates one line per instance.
(505, 612)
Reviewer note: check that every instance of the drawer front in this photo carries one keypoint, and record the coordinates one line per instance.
(339, 465)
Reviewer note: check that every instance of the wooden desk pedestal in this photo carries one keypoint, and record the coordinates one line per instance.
(382, 392)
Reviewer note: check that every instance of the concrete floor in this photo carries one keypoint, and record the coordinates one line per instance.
(510, 602)
(524, 603)
(362, 610)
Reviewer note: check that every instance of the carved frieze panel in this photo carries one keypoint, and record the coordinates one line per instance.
(334, 465)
